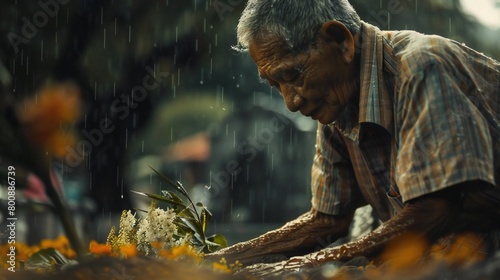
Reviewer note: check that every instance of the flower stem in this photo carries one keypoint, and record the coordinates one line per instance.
(65, 217)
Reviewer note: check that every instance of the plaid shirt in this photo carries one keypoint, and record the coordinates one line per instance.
(428, 119)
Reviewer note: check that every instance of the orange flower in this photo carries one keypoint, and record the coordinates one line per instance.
(24, 251)
(220, 267)
(60, 244)
(186, 251)
(462, 249)
(181, 252)
(128, 251)
(100, 249)
(156, 244)
(48, 114)
(405, 251)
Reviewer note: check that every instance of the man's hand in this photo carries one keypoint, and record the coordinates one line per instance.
(432, 216)
(300, 236)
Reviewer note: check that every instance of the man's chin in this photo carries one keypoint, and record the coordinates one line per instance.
(325, 122)
(325, 118)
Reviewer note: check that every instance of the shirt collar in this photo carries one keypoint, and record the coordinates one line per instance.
(378, 67)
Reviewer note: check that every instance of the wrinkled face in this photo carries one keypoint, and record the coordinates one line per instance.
(317, 82)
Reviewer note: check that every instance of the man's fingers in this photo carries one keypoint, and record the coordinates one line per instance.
(295, 263)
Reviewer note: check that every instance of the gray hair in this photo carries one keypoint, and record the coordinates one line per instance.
(296, 22)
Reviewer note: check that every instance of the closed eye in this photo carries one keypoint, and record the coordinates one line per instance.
(290, 76)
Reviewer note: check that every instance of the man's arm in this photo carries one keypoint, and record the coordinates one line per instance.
(433, 216)
(300, 236)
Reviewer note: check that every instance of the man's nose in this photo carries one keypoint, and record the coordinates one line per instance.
(293, 100)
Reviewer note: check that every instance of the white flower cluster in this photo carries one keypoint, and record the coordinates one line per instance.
(157, 226)
(127, 223)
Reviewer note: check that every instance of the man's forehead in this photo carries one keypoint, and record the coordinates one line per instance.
(268, 45)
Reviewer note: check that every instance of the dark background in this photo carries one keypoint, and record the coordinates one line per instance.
(206, 110)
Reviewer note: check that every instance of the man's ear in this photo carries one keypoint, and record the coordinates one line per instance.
(336, 32)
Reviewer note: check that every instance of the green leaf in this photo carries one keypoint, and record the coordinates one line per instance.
(206, 216)
(216, 242)
(161, 198)
(140, 210)
(182, 212)
(173, 196)
(46, 259)
(177, 185)
(181, 225)
(196, 227)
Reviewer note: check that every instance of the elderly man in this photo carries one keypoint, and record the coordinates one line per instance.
(408, 123)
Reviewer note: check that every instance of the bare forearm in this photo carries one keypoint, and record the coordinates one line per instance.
(432, 216)
(299, 236)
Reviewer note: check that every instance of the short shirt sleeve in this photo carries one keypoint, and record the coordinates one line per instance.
(443, 139)
(333, 180)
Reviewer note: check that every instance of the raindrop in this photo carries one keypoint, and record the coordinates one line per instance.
(234, 138)
(129, 33)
